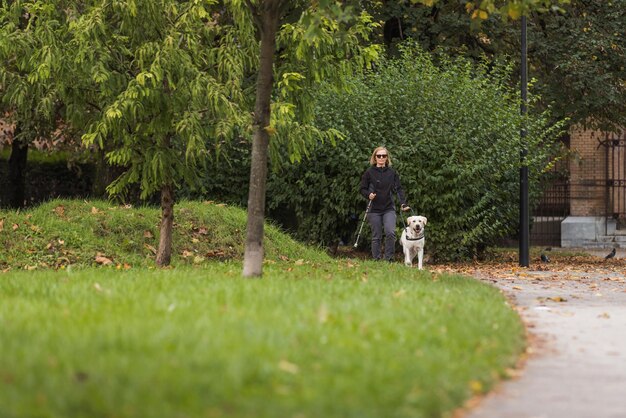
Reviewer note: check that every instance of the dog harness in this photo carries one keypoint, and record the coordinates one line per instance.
(419, 237)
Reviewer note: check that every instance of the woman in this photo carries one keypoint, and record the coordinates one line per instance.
(378, 183)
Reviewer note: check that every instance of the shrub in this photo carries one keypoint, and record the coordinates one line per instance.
(453, 131)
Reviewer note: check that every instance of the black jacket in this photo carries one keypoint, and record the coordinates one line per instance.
(384, 181)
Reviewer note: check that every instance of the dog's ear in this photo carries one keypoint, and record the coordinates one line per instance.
(425, 220)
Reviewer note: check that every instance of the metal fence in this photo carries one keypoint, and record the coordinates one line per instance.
(553, 208)
(615, 200)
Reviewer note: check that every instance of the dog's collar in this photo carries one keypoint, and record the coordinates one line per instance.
(419, 237)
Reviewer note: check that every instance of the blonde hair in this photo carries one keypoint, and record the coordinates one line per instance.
(376, 151)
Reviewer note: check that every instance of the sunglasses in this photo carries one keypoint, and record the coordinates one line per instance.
(381, 155)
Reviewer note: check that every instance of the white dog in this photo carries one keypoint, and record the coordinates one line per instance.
(413, 240)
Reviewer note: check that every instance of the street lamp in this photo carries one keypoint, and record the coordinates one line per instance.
(524, 227)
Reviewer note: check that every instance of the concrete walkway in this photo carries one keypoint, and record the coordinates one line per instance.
(576, 321)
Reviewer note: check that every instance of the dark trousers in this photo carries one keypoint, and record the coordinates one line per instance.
(378, 222)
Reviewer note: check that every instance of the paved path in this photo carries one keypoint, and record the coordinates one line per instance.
(577, 366)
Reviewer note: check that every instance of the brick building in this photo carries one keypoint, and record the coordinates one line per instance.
(597, 190)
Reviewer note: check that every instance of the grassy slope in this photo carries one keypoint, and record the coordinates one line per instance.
(316, 338)
(64, 232)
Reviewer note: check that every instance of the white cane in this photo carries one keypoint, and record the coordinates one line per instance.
(362, 222)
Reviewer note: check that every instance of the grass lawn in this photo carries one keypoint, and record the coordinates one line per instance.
(316, 337)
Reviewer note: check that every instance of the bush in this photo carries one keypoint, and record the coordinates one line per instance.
(454, 134)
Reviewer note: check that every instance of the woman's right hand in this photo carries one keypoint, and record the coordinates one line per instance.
(372, 196)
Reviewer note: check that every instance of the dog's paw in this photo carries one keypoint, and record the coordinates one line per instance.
(408, 264)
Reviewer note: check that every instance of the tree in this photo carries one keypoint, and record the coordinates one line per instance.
(576, 51)
(298, 47)
(155, 81)
(28, 52)
(579, 60)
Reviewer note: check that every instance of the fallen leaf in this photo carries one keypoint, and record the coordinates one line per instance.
(198, 259)
(147, 234)
(15, 227)
(518, 288)
(604, 315)
(299, 262)
(60, 210)
(94, 210)
(1, 224)
(288, 367)
(150, 248)
(97, 287)
(187, 253)
(103, 260)
(476, 386)
(557, 299)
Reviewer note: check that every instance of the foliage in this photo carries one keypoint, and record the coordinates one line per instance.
(480, 10)
(454, 135)
(329, 46)
(28, 53)
(161, 78)
(331, 339)
(580, 61)
(576, 54)
(64, 233)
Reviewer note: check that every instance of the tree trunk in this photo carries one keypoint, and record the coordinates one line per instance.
(253, 256)
(164, 253)
(17, 172)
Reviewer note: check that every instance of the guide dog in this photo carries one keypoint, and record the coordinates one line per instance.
(413, 240)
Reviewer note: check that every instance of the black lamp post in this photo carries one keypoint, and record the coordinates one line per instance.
(524, 227)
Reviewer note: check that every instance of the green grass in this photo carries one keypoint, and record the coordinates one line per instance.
(316, 337)
(73, 232)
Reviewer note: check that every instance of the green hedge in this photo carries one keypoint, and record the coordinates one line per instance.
(453, 131)
(49, 179)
